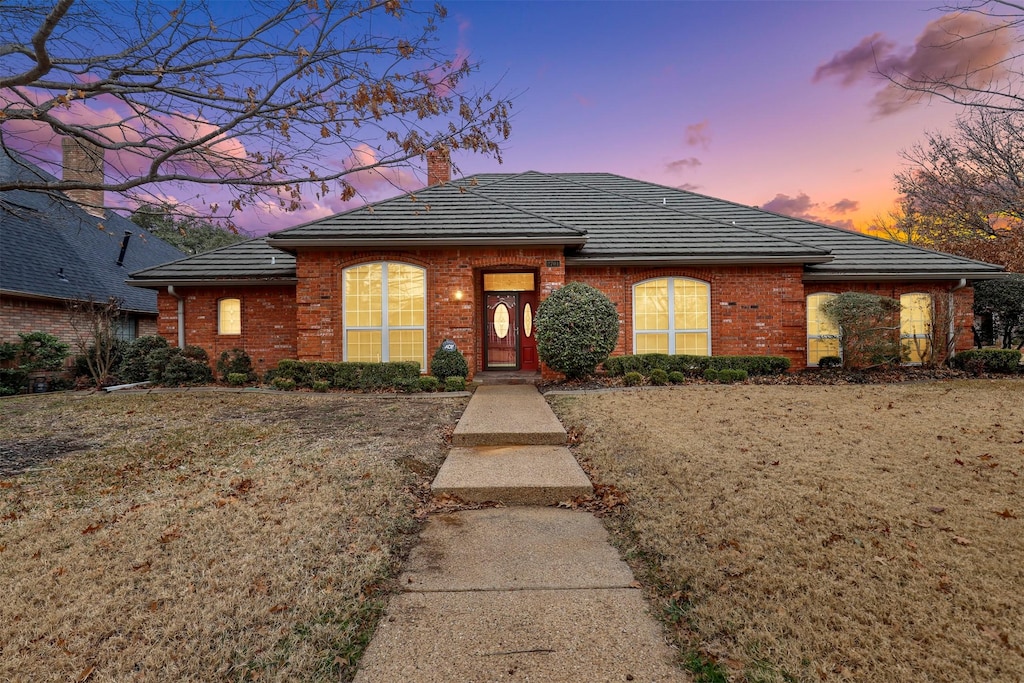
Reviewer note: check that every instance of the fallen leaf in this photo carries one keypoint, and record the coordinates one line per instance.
(1007, 513)
(92, 528)
(936, 509)
(144, 567)
(86, 673)
(279, 607)
(960, 540)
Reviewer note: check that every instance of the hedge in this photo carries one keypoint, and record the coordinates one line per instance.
(694, 366)
(987, 360)
(349, 375)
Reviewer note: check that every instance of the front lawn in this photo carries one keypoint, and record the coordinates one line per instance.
(205, 536)
(822, 533)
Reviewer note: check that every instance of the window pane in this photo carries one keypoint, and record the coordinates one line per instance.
(692, 343)
(406, 298)
(404, 345)
(817, 322)
(917, 349)
(362, 296)
(364, 346)
(508, 282)
(691, 302)
(916, 314)
(652, 343)
(650, 305)
(229, 316)
(819, 348)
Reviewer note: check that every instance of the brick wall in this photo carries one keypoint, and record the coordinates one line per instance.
(268, 321)
(39, 315)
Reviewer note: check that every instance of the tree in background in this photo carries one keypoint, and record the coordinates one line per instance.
(1003, 299)
(868, 328)
(191, 234)
(272, 100)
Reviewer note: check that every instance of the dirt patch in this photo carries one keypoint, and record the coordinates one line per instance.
(208, 536)
(823, 533)
(18, 456)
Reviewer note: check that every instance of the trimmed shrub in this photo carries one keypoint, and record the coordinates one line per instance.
(297, 371)
(283, 384)
(577, 327)
(182, 370)
(711, 375)
(388, 375)
(134, 366)
(633, 379)
(829, 362)
(41, 351)
(429, 383)
(676, 377)
(408, 385)
(694, 366)
(445, 364)
(455, 384)
(987, 360)
(321, 386)
(728, 376)
(235, 362)
(237, 379)
(658, 377)
(351, 376)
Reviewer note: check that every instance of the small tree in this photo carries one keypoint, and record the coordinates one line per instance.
(93, 324)
(1004, 299)
(577, 327)
(868, 328)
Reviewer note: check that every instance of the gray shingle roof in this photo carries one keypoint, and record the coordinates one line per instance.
(42, 237)
(249, 262)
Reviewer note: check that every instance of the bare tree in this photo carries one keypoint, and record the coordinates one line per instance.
(93, 324)
(286, 99)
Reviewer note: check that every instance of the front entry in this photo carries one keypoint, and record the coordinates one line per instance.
(509, 340)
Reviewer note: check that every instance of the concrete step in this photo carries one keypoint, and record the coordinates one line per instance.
(513, 475)
(501, 415)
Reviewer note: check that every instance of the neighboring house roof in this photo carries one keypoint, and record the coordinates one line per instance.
(600, 218)
(52, 248)
(252, 262)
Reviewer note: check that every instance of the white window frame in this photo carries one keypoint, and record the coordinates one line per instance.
(671, 331)
(807, 321)
(220, 326)
(385, 329)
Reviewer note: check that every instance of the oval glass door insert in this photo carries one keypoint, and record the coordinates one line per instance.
(527, 319)
(501, 321)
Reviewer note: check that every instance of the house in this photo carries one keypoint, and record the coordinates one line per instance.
(54, 249)
(470, 260)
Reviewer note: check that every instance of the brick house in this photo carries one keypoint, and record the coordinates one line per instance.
(470, 260)
(56, 248)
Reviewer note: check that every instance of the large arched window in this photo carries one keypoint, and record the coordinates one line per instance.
(822, 333)
(916, 327)
(672, 315)
(385, 313)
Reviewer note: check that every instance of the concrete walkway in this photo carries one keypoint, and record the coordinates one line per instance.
(520, 593)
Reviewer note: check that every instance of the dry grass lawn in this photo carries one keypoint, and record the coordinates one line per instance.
(869, 533)
(205, 536)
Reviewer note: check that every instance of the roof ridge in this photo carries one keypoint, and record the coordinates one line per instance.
(578, 231)
(688, 213)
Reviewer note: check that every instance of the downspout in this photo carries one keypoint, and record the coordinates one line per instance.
(181, 315)
(950, 338)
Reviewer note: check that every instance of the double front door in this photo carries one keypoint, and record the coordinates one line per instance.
(509, 335)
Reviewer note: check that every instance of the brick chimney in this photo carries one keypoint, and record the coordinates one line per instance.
(84, 161)
(439, 167)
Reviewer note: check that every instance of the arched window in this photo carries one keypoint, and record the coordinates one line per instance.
(229, 316)
(916, 327)
(385, 313)
(822, 333)
(672, 315)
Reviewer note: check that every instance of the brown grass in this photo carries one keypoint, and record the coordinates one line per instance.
(206, 536)
(824, 533)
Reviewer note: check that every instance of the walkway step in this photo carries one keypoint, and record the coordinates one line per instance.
(502, 415)
(513, 475)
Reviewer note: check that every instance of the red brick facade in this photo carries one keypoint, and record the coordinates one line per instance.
(755, 310)
(18, 315)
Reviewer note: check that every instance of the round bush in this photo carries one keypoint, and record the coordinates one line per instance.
(447, 364)
(676, 377)
(235, 362)
(633, 379)
(829, 362)
(429, 383)
(134, 361)
(659, 377)
(711, 375)
(455, 384)
(577, 327)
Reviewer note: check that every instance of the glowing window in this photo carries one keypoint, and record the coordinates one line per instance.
(916, 327)
(672, 315)
(508, 282)
(822, 333)
(229, 316)
(385, 313)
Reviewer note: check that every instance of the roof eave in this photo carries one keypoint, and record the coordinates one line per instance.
(425, 242)
(64, 299)
(904, 275)
(695, 260)
(154, 283)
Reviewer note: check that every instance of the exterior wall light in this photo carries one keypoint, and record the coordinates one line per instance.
(458, 295)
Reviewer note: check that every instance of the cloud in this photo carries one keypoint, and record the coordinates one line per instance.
(963, 49)
(698, 134)
(804, 208)
(682, 164)
(688, 187)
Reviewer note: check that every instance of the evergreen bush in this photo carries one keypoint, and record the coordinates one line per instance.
(576, 328)
(448, 363)
(134, 365)
(988, 360)
(455, 384)
(658, 377)
(676, 377)
(235, 362)
(633, 379)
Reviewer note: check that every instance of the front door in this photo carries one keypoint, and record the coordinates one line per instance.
(527, 340)
(502, 331)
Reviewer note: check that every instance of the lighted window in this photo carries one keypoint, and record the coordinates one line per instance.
(229, 316)
(916, 327)
(385, 313)
(672, 315)
(508, 282)
(822, 333)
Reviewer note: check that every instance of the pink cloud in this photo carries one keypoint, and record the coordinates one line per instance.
(698, 134)
(845, 206)
(804, 208)
(682, 164)
(958, 48)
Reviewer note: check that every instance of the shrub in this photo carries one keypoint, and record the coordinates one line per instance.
(694, 366)
(237, 379)
(633, 379)
(235, 362)
(829, 362)
(868, 328)
(12, 381)
(321, 385)
(182, 370)
(408, 385)
(134, 365)
(987, 360)
(658, 377)
(577, 327)
(711, 375)
(728, 376)
(388, 375)
(283, 383)
(429, 383)
(455, 384)
(676, 377)
(294, 370)
(41, 351)
(445, 364)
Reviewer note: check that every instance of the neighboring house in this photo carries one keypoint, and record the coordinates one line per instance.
(471, 260)
(53, 250)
